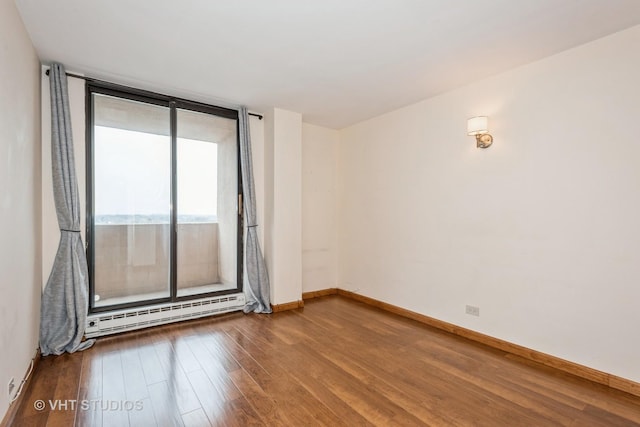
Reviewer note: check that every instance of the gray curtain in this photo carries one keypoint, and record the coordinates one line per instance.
(63, 313)
(258, 299)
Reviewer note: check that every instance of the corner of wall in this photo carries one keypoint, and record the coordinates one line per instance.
(20, 250)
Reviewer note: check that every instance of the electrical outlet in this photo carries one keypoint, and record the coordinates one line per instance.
(472, 310)
(11, 386)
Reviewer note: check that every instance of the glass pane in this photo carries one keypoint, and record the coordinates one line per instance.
(132, 201)
(207, 182)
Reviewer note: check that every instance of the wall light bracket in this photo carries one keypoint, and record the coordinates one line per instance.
(479, 127)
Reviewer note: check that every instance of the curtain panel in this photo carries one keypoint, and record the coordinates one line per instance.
(258, 290)
(63, 311)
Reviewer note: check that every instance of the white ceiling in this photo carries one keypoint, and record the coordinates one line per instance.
(335, 61)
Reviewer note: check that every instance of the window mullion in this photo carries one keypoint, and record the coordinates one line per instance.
(174, 200)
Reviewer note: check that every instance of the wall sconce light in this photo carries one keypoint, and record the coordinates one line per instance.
(479, 127)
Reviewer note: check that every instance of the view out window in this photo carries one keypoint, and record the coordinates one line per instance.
(164, 189)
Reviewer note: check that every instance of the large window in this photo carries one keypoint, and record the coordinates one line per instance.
(164, 191)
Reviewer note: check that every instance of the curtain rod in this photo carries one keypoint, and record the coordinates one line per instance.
(78, 76)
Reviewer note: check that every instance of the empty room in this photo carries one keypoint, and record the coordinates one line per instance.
(331, 213)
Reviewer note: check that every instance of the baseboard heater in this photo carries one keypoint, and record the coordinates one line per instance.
(100, 324)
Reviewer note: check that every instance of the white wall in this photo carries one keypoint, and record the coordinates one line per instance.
(20, 250)
(541, 230)
(283, 204)
(319, 226)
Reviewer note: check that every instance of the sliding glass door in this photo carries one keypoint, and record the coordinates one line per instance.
(207, 209)
(163, 200)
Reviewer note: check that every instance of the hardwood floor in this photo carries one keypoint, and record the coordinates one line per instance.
(335, 362)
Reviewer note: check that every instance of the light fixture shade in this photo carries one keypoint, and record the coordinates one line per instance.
(477, 125)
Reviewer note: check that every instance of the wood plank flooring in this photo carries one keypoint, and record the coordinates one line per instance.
(335, 362)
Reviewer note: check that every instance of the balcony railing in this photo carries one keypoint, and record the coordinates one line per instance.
(132, 260)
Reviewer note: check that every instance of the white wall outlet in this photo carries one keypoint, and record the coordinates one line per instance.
(472, 310)
(11, 386)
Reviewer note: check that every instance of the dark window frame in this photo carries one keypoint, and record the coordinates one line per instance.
(173, 103)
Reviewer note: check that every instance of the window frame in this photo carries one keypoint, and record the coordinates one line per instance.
(173, 103)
